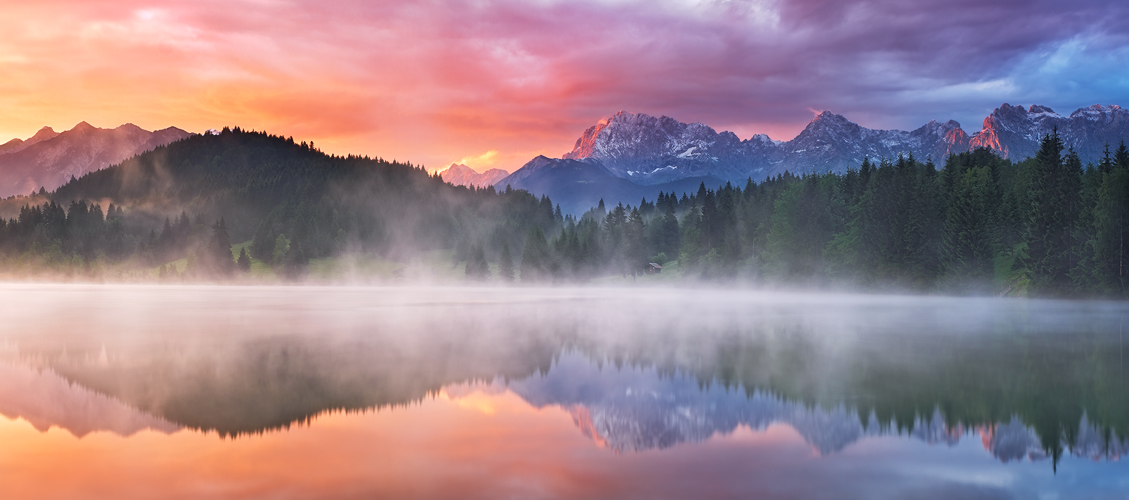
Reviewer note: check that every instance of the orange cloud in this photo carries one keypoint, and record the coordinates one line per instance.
(430, 81)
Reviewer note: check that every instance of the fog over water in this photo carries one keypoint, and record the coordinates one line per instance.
(1028, 394)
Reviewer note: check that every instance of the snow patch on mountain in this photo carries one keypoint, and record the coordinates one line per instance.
(640, 146)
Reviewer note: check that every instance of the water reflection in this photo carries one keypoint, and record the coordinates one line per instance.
(635, 370)
(46, 400)
(634, 409)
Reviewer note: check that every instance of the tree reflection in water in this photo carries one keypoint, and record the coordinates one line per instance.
(637, 369)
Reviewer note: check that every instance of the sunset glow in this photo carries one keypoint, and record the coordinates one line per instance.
(445, 447)
(495, 83)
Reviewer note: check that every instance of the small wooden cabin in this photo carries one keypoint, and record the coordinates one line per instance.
(653, 268)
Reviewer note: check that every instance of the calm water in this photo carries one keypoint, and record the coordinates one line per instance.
(291, 392)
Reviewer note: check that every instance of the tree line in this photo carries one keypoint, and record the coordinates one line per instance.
(292, 203)
(1045, 226)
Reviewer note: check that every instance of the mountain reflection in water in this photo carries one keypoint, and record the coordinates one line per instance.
(637, 371)
(634, 409)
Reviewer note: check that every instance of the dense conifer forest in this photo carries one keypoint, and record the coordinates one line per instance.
(1046, 226)
(193, 198)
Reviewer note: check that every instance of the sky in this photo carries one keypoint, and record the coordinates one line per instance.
(493, 83)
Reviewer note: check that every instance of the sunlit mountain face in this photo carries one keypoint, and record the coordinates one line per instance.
(621, 377)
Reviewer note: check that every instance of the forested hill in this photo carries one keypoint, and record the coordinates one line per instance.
(1048, 225)
(196, 196)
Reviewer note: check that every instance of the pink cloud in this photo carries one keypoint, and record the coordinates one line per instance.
(434, 81)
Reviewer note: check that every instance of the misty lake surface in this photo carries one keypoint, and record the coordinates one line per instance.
(304, 392)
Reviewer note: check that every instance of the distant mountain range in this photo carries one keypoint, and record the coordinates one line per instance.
(651, 153)
(49, 159)
(578, 185)
(462, 175)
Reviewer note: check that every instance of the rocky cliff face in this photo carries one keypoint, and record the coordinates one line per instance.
(49, 159)
(1015, 132)
(649, 150)
(833, 143)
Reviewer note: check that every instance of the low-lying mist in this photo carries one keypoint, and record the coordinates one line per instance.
(247, 207)
(239, 360)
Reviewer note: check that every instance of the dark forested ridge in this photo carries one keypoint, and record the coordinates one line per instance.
(978, 224)
(194, 197)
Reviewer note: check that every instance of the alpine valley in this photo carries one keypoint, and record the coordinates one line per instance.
(629, 156)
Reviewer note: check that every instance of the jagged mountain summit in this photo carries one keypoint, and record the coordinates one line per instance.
(49, 159)
(462, 175)
(830, 142)
(1015, 132)
(651, 151)
(17, 145)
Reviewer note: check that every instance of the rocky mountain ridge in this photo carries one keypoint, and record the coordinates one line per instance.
(49, 159)
(650, 151)
(462, 175)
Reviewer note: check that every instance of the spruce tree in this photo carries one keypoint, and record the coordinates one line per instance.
(635, 245)
(669, 234)
(1111, 229)
(262, 244)
(218, 258)
(969, 241)
(477, 268)
(535, 257)
(244, 261)
(1050, 219)
(506, 264)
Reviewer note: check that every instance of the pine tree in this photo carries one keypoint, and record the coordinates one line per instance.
(1111, 229)
(635, 244)
(281, 249)
(262, 244)
(218, 259)
(669, 234)
(506, 264)
(969, 243)
(477, 268)
(1050, 218)
(535, 257)
(244, 261)
(295, 262)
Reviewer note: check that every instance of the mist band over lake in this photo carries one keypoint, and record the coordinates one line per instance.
(225, 392)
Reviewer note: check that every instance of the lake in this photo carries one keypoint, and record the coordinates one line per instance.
(335, 392)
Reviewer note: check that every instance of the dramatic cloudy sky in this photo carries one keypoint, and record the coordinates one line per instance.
(495, 82)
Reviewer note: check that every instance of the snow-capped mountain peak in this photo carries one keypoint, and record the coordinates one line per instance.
(654, 151)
